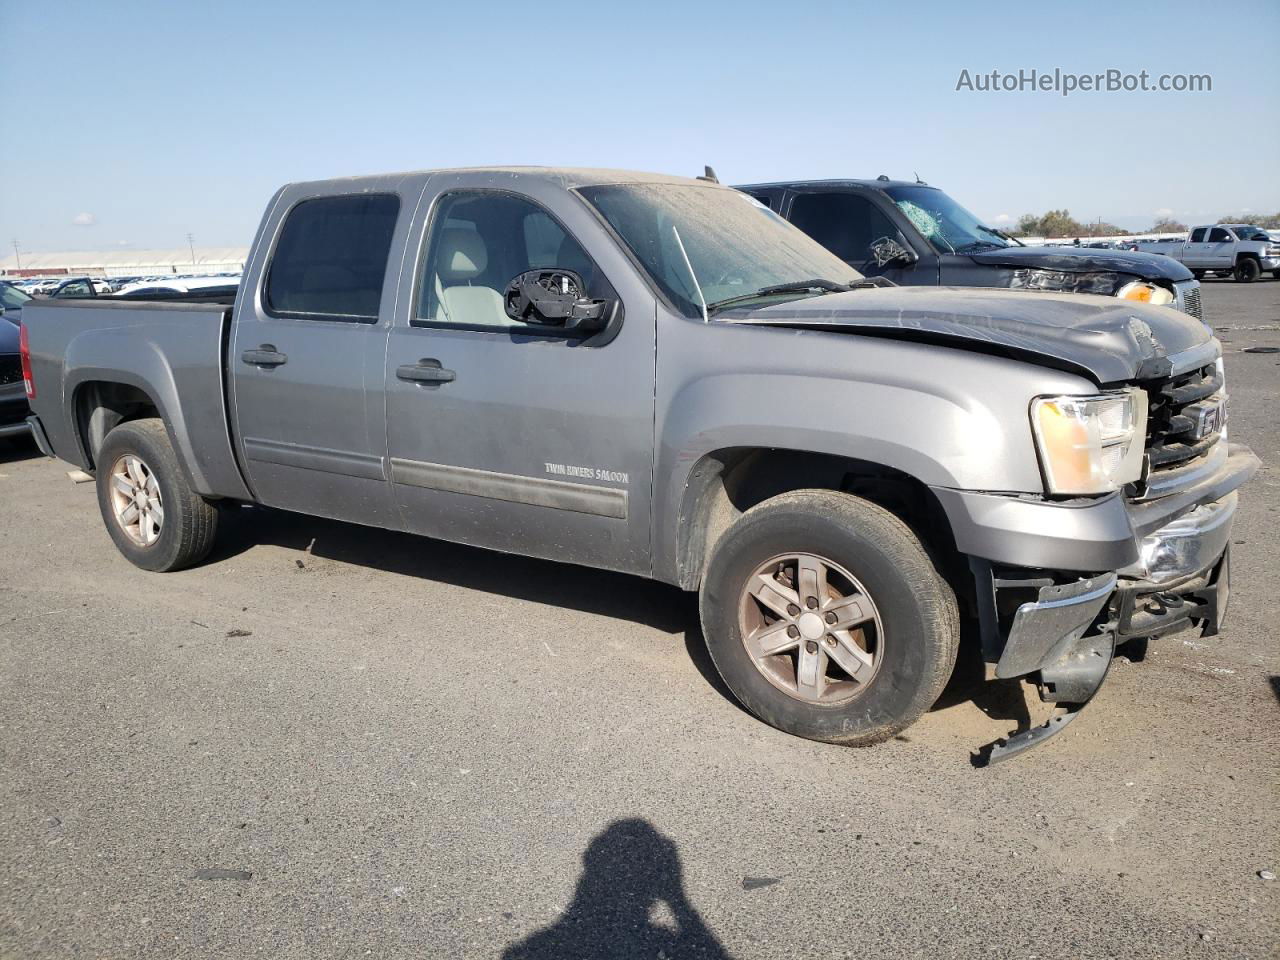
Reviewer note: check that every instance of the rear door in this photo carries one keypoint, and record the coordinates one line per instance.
(1195, 253)
(307, 353)
(528, 441)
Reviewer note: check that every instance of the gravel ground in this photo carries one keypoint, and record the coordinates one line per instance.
(333, 741)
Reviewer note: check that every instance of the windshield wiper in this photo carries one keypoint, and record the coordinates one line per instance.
(979, 245)
(1001, 234)
(818, 286)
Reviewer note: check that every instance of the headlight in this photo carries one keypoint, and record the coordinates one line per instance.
(1145, 292)
(1060, 280)
(1090, 444)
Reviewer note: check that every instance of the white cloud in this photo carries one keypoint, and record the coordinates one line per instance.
(1003, 218)
(1164, 212)
(84, 220)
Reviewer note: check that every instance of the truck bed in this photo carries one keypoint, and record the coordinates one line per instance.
(171, 353)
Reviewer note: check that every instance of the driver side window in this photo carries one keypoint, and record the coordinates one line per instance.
(844, 223)
(479, 242)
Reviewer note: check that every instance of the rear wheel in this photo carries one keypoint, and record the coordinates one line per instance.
(827, 619)
(1198, 274)
(153, 516)
(1247, 270)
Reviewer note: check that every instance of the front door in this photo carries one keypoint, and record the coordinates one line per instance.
(514, 437)
(1221, 247)
(307, 360)
(850, 225)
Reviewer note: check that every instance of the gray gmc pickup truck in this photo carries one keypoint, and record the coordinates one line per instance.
(660, 376)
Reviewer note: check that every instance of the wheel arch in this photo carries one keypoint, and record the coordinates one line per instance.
(723, 484)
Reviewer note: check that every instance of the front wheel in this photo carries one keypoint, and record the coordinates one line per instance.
(1247, 270)
(827, 619)
(154, 517)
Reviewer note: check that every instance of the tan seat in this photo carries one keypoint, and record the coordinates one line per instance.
(460, 259)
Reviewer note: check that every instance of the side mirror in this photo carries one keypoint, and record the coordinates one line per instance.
(553, 297)
(887, 250)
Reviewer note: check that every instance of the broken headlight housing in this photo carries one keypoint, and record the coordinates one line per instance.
(1090, 444)
(1065, 282)
(1144, 292)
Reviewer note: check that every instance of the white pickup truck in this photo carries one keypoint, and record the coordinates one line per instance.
(1238, 249)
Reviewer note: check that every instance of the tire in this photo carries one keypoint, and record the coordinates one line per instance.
(176, 526)
(1247, 270)
(1198, 274)
(911, 640)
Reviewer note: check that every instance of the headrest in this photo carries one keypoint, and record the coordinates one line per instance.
(462, 255)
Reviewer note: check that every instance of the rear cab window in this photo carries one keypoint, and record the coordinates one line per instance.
(330, 260)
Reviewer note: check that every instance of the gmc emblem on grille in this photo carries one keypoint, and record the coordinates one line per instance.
(1210, 418)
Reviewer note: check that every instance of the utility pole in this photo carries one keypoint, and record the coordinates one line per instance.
(17, 254)
(191, 244)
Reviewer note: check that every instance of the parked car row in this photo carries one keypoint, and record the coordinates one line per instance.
(64, 288)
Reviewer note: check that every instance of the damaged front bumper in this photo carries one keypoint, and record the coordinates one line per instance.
(1061, 631)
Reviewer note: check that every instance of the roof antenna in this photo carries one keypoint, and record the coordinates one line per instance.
(709, 176)
(883, 177)
(918, 180)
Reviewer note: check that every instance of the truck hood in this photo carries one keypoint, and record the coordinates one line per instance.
(1148, 266)
(1110, 340)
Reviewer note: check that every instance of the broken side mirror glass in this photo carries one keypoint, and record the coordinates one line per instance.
(552, 297)
(888, 250)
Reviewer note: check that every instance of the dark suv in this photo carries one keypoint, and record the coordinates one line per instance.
(916, 234)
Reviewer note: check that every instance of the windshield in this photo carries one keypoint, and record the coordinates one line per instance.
(949, 227)
(1249, 232)
(733, 244)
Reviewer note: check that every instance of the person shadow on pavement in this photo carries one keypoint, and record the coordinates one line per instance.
(629, 902)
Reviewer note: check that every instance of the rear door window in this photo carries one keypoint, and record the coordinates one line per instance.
(1197, 235)
(331, 258)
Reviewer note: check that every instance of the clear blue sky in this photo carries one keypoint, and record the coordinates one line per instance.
(152, 119)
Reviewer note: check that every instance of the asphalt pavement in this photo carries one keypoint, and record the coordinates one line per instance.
(331, 741)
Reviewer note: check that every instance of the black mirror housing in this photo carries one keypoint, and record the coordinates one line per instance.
(552, 297)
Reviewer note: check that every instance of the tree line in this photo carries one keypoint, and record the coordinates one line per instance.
(1060, 223)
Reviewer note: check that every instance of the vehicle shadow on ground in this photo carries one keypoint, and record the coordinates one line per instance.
(630, 902)
(588, 590)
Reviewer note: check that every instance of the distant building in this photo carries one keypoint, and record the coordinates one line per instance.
(125, 262)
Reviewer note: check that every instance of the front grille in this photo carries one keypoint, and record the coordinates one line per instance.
(1175, 409)
(1191, 302)
(10, 369)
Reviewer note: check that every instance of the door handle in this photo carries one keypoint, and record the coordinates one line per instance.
(265, 356)
(426, 370)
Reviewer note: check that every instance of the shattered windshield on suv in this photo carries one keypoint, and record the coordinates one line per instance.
(948, 227)
(710, 245)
